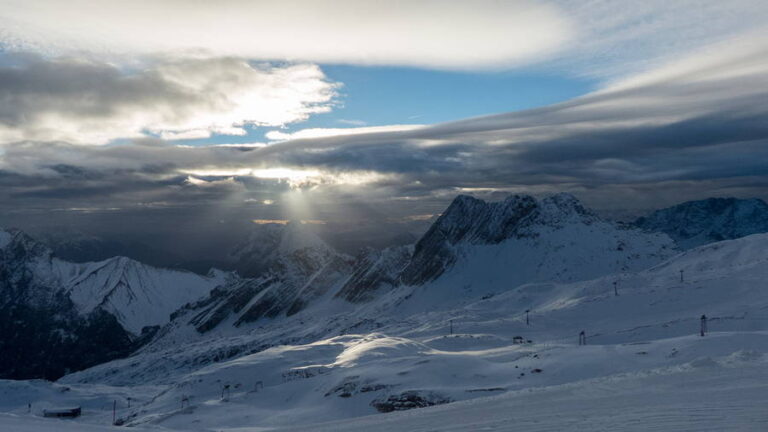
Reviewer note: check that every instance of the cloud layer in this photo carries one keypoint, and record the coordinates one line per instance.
(91, 102)
(604, 38)
(449, 34)
(689, 126)
(693, 128)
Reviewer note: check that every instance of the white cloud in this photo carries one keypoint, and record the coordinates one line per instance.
(330, 132)
(352, 122)
(620, 38)
(602, 38)
(88, 102)
(450, 34)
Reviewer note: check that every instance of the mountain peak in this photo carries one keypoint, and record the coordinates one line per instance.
(695, 223)
(297, 236)
(471, 221)
(5, 238)
(268, 243)
(19, 245)
(491, 222)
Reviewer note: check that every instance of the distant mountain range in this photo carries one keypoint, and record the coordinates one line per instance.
(57, 316)
(696, 223)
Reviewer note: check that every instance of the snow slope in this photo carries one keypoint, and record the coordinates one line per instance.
(473, 249)
(709, 394)
(365, 342)
(136, 294)
(645, 336)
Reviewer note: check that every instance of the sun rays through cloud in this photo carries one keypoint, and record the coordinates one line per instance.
(275, 111)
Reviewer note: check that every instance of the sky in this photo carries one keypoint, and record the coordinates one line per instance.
(173, 118)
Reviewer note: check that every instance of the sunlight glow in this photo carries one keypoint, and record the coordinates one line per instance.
(296, 178)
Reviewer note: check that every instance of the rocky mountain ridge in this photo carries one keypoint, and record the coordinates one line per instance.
(695, 223)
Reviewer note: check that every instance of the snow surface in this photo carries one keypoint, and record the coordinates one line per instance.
(645, 366)
(136, 294)
(711, 392)
(449, 343)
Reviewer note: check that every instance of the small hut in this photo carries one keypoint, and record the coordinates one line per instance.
(62, 412)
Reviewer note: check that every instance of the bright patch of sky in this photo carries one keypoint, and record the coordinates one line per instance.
(377, 96)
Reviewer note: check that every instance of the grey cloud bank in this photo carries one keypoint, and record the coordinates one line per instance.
(89, 102)
(691, 129)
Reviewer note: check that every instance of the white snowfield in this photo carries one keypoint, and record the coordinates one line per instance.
(644, 367)
(137, 295)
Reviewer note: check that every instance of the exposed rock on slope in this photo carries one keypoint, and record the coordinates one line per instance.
(524, 239)
(696, 223)
(293, 268)
(377, 270)
(57, 316)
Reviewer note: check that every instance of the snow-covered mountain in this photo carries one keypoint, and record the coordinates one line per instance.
(290, 268)
(136, 294)
(77, 314)
(485, 310)
(490, 247)
(695, 223)
(645, 335)
(375, 271)
(474, 250)
(269, 243)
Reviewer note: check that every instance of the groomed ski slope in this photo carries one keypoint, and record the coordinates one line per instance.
(707, 395)
(724, 394)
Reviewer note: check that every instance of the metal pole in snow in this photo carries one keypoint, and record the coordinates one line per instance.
(615, 289)
(450, 323)
(114, 411)
(681, 276)
(703, 329)
(527, 321)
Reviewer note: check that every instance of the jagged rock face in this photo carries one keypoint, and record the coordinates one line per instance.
(20, 256)
(374, 272)
(268, 243)
(472, 221)
(300, 271)
(49, 342)
(696, 223)
(296, 268)
(42, 335)
(57, 316)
